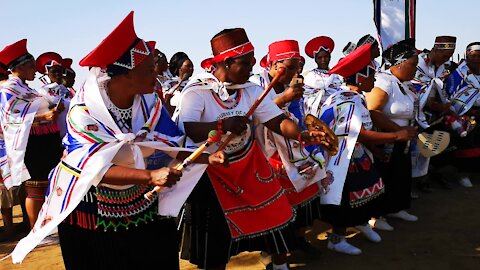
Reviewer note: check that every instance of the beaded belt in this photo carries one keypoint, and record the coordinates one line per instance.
(36, 184)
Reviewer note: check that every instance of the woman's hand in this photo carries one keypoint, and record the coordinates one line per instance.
(326, 182)
(316, 137)
(294, 92)
(165, 177)
(218, 158)
(237, 124)
(406, 134)
(49, 116)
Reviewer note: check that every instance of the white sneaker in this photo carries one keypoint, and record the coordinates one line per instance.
(344, 247)
(49, 241)
(369, 233)
(382, 224)
(404, 215)
(465, 182)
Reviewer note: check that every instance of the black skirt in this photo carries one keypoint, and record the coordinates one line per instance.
(149, 246)
(307, 213)
(207, 240)
(362, 196)
(42, 155)
(397, 176)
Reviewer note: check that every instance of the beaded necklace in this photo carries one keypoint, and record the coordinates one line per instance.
(230, 103)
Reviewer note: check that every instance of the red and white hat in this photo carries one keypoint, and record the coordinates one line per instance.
(281, 50)
(15, 54)
(231, 44)
(321, 43)
(264, 61)
(358, 63)
(47, 60)
(120, 51)
(207, 64)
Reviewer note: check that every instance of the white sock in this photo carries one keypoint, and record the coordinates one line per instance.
(280, 267)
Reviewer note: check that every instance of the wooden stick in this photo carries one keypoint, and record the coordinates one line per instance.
(280, 71)
(213, 136)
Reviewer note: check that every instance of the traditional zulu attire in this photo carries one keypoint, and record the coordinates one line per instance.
(464, 89)
(401, 108)
(8, 197)
(352, 195)
(106, 225)
(32, 149)
(242, 207)
(53, 91)
(319, 84)
(429, 84)
(287, 156)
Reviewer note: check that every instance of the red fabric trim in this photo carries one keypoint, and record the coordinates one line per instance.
(233, 52)
(468, 153)
(253, 200)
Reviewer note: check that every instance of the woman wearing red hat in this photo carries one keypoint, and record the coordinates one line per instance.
(393, 99)
(49, 64)
(319, 84)
(297, 170)
(242, 207)
(96, 193)
(354, 193)
(32, 139)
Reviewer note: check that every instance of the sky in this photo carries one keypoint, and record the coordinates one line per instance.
(74, 28)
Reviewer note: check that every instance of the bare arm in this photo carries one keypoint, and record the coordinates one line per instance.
(294, 92)
(120, 175)
(284, 126)
(373, 137)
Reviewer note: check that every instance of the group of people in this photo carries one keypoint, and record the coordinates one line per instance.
(262, 155)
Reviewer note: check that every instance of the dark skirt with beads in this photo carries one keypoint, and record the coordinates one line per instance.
(362, 196)
(207, 240)
(139, 240)
(397, 176)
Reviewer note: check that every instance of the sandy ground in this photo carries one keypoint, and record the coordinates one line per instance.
(447, 236)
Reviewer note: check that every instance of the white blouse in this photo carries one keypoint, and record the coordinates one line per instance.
(400, 107)
(205, 106)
